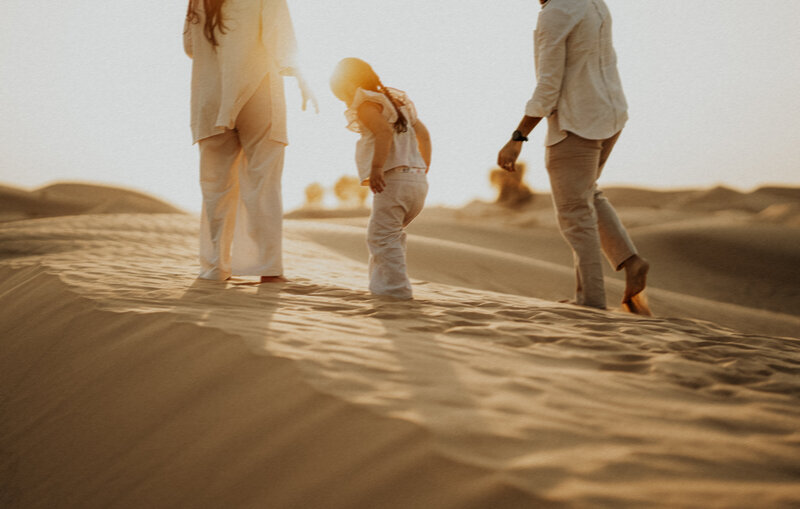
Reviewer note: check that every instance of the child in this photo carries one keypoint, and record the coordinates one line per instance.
(393, 156)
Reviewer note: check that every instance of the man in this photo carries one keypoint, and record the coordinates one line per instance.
(578, 90)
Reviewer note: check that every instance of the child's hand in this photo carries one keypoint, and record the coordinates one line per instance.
(376, 182)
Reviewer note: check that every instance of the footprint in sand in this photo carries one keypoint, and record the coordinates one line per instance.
(626, 367)
(471, 330)
(543, 339)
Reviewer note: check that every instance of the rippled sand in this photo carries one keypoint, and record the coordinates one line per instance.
(126, 382)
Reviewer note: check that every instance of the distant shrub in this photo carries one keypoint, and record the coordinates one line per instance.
(512, 191)
(350, 192)
(315, 193)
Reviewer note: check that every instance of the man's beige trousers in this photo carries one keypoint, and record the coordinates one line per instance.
(240, 176)
(588, 221)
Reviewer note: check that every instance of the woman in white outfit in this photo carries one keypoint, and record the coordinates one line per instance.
(240, 51)
(393, 155)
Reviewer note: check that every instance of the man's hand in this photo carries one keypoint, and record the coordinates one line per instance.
(508, 155)
(376, 181)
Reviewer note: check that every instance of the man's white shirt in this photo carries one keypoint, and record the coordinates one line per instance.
(578, 85)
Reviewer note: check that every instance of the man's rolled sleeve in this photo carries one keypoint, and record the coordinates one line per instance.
(550, 44)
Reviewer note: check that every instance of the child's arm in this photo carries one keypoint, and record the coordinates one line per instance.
(424, 142)
(187, 38)
(369, 113)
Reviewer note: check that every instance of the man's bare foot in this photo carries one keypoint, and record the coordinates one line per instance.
(273, 279)
(636, 269)
(637, 305)
(634, 300)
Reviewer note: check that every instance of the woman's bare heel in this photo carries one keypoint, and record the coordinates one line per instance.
(273, 279)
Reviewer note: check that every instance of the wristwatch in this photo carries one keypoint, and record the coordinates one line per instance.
(517, 136)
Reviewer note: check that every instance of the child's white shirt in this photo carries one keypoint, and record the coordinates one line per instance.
(404, 151)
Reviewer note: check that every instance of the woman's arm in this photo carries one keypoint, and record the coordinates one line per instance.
(305, 91)
(370, 115)
(278, 37)
(424, 142)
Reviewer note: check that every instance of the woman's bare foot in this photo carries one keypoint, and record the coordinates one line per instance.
(273, 279)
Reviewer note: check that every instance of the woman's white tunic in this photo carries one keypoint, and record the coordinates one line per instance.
(259, 40)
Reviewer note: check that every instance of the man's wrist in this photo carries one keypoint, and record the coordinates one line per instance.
(518, 136)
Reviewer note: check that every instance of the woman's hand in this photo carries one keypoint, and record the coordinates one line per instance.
(307, 93)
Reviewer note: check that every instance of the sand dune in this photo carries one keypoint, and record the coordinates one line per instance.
(650, 206)
(64, 199)
(494, 268)
(715, 259)
(126, 382)
(783, 213)
(708, 200)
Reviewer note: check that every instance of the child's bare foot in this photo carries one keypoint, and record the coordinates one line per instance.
(273, 279)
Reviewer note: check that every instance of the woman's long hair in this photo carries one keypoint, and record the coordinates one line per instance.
(213, 15)
(359, 73)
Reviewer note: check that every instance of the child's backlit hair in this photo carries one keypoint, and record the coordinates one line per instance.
(354, 71)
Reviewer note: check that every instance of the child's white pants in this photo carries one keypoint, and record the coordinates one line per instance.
(240, 176)
(392, 210)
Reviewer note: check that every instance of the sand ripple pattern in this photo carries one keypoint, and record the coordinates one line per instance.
(316, 394)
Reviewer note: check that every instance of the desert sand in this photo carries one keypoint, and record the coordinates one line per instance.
(74, 198)
(126, 382)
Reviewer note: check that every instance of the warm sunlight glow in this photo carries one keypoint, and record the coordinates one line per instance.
(620, 328)
(109, 102)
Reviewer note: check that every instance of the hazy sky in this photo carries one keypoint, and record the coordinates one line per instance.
(98, 90)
